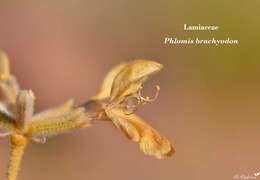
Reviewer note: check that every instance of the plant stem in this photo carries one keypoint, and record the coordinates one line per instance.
(18, 144)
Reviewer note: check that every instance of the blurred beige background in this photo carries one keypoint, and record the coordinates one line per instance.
(209, 105)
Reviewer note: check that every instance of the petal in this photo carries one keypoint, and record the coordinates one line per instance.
(150, 141)
(156, 145)
(120, 121)
(62, 123)
(131, 77)
(105, 89)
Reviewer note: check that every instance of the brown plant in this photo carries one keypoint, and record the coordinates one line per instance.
(116, 101)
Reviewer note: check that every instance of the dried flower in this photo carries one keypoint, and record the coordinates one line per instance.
(123, 86)
(117, 100)
(18, 120)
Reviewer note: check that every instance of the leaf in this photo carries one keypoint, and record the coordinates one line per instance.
(150, 141)
(62, 123)
(105, 89)
(132, 76)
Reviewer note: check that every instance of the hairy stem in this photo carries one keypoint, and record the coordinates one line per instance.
(18, 144)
